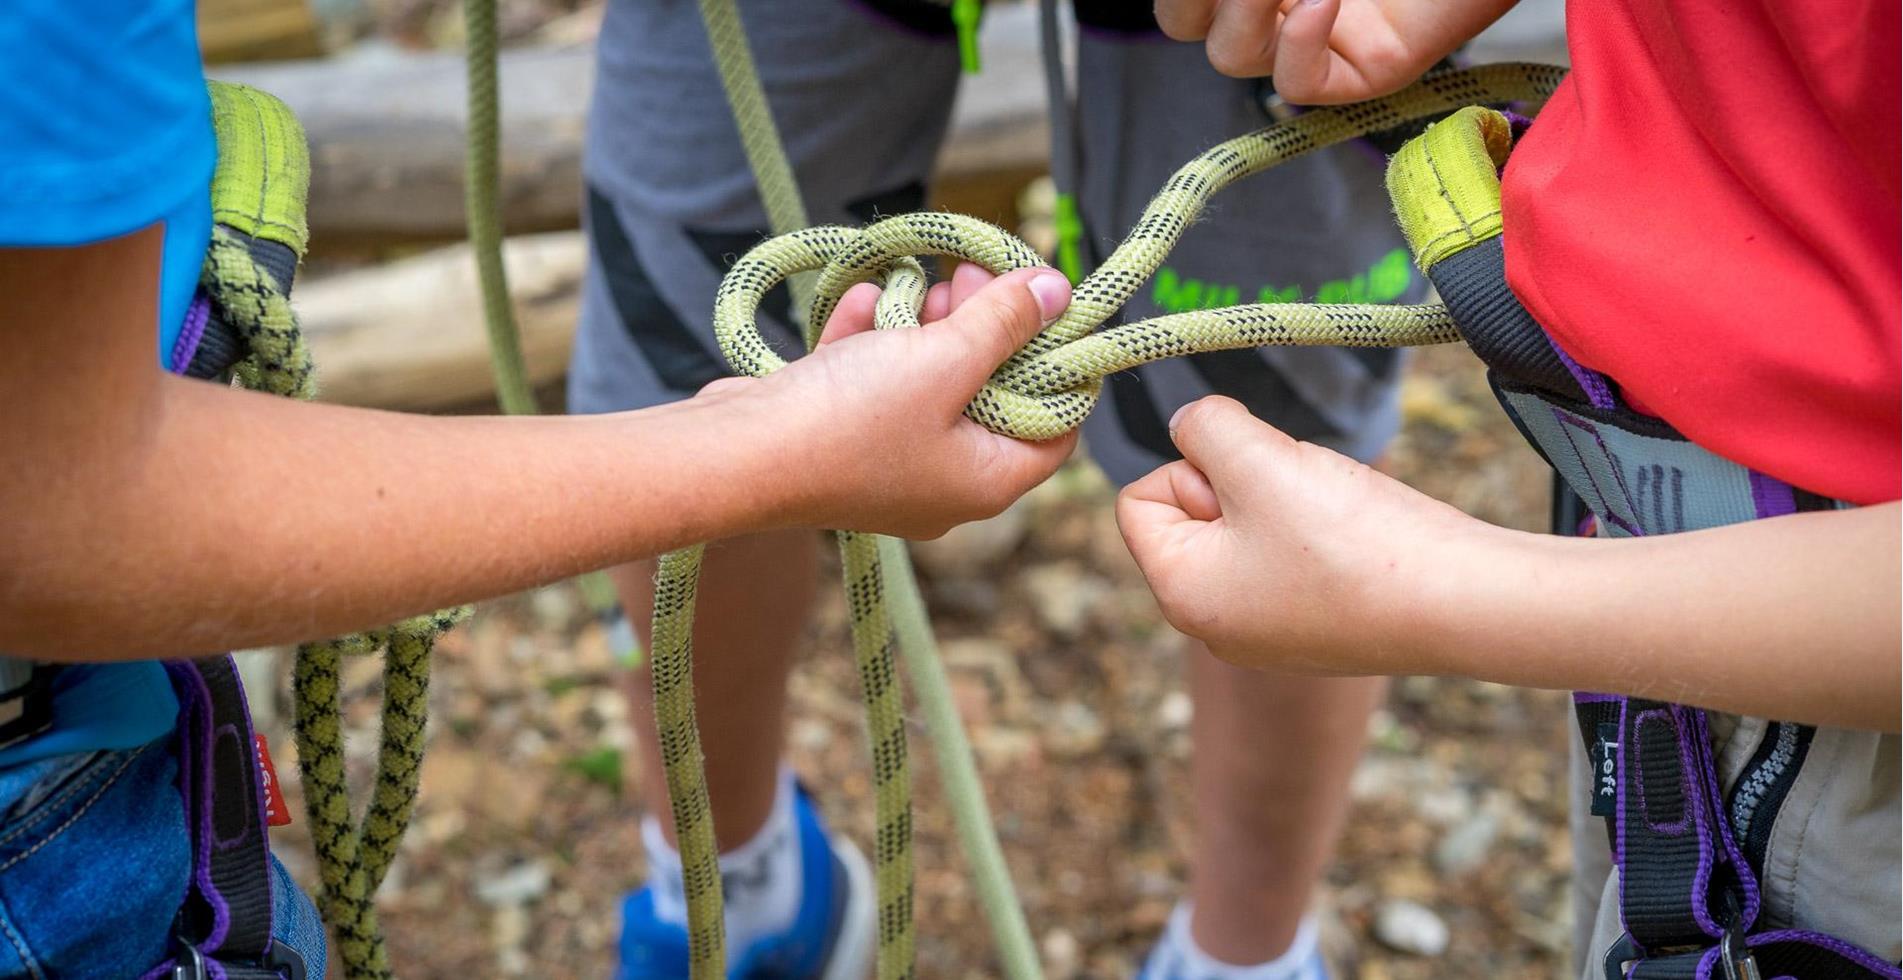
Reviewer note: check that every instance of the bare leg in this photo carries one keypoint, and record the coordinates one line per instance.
(1269, 777)
(755, 595)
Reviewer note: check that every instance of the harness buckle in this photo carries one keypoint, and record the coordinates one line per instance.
(1622, 952)
(287, 962)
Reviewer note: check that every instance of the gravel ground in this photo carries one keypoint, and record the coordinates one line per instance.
(525, 838)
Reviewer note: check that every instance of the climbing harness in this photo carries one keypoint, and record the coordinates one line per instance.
(241, 326)
(1690, 854)
(1043, 391)
(26, 699)
(224, 926)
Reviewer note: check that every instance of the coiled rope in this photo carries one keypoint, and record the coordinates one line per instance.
(1043, 391)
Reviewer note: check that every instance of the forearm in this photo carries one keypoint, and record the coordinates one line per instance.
(233, 519)
(1794, 618)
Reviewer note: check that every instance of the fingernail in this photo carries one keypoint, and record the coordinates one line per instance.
(1052, 292)
(1176, 417)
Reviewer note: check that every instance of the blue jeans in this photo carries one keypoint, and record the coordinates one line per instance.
(94, 859)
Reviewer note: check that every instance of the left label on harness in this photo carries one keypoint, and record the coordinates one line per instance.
(275, 813)
(1603, 756)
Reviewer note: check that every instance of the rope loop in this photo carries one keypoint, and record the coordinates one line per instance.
(1049, 386)
(1042, 391)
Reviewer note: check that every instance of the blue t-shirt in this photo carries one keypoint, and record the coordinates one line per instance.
(105, 129)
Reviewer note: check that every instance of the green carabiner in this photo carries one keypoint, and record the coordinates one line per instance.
(965, 14)
(1070, 235)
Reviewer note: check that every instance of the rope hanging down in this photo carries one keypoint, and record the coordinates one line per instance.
(258, 200)
(1043, 391)
(958, 771)
(352, 857)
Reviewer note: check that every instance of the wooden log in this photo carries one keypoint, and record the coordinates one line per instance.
(256, 30)
(386, 133)
(408, 335)
(386, 129)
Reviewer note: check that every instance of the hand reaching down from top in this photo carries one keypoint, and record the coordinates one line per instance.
(1322, 52)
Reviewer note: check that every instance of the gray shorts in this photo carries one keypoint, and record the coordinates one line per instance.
(862, 93)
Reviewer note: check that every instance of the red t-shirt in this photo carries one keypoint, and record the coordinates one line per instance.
(1707, 212)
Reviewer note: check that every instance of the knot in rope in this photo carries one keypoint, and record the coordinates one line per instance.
(276, 358)
(1049, 386)
(1044, 390)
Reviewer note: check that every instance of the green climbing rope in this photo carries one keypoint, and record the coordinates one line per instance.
(482, 210)
(1043, 391)
(482, 215)
(759, 136)
(871, 583)
(354, 855)
(258, 198)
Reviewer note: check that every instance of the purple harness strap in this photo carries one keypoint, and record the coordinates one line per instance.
(224, 929)
(189, 336)
(1689, 892)
(1785, 954)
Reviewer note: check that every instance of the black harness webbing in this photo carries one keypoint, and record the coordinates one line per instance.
(224, 927)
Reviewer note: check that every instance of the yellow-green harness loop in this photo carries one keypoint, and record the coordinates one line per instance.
(1445, 185)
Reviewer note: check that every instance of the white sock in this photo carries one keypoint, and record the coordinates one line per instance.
(760, 878)
(1178, 957)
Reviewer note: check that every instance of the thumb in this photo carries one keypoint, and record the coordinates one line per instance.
(852, 315)
(1224, 442)
(1001, 317)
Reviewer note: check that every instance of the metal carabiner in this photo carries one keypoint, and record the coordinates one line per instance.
(191, 963)
(1734, 954)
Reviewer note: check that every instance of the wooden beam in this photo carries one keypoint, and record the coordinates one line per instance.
(408, 335)
(256, 30)
(386, 134)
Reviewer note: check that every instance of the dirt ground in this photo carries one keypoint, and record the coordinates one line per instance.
(525, 837)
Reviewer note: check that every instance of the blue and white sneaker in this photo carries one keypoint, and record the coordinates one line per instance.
(1176, 957)
(831, 938)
